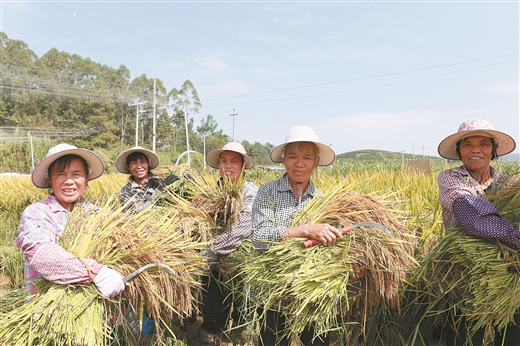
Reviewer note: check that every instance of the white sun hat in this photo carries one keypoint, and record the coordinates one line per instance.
(40, 175)
(476, 127)
(304, 134)
(212, 158)
(121, 159)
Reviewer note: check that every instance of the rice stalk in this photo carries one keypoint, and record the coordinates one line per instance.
(310, 286)
(125, 243)
(214, 207)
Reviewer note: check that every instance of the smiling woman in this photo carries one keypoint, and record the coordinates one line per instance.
(143, 188)
(462, 195)
(66, 170)
(279, 202)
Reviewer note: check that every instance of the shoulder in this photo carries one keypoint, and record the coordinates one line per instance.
(453, 173)
(46, 207)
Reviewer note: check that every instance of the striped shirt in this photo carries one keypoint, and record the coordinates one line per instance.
(228, 241)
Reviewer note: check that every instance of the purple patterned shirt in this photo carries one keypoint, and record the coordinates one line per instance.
(463, 202)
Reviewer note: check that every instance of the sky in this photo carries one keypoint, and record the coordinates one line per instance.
(386, 75)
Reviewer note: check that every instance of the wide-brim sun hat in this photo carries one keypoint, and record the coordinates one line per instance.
(121, 159)
(476, 127)
(213, 157)
(40, 174)
(304, 134)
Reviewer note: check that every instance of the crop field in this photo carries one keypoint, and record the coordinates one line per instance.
(414, 278)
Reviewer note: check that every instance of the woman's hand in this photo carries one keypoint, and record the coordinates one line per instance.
(324, 233)
(356, 273)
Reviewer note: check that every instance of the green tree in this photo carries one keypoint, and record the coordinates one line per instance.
(183, 102)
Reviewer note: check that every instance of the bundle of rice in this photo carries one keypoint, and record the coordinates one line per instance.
(214, 207)
(471, 281)
(311, 285)
(79, 314)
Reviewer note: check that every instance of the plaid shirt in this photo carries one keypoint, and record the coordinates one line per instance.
(275, 208)
(40, 230)
(463, 202)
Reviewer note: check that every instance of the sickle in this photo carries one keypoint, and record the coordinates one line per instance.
(143, 268)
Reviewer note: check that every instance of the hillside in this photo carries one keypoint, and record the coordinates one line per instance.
(373, 156)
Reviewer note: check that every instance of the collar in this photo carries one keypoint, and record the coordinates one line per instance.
(284, 186)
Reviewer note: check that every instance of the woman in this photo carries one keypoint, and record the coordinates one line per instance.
(462, 195)
(66, 170)
(462, 189)
(231, 161)
(143, 188)
(279, 202)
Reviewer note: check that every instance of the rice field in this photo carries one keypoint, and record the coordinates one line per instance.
(414, 278)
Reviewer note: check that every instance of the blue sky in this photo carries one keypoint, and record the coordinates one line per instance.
(386, 75)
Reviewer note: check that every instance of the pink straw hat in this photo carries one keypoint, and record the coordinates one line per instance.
(121, 158)
(476, 127)
(213, 157)
(304, 134)
(40, 175)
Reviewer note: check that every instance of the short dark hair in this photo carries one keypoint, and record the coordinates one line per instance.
(65, 161)
(136, 156)
(493, 143)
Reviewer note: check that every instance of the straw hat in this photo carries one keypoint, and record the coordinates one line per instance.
(121, 159)
(304, 134)
(212, 158)
(40, 175)
(476, 127)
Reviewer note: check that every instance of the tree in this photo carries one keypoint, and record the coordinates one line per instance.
(183, 101)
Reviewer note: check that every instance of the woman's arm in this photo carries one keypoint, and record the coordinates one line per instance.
(479, 218)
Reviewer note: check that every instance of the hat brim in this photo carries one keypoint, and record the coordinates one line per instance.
(212, 158)
(121, 159)
(327, 155)
(96, 166)
(447, 148)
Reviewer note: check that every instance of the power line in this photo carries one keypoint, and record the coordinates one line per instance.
(371, 77)
(362, 88)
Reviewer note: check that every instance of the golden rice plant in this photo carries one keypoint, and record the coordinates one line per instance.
(465, 278)
(506, 199)
(310, 286)
(213, 208)
(58, 314)
(468, 280)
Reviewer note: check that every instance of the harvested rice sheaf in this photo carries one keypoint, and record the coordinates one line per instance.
(60, 314)
(310, 285)
(213, 208)
(470, 280)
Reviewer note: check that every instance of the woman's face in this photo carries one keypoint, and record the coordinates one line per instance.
(230, 165)
(300, 160)
(68, 183)
(138, 169)
(476, 152)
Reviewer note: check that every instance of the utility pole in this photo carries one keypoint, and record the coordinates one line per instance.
(137, 104)
(154, 135)
(234, 114)
(187, 135)
(423, 151)
(204, 140)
